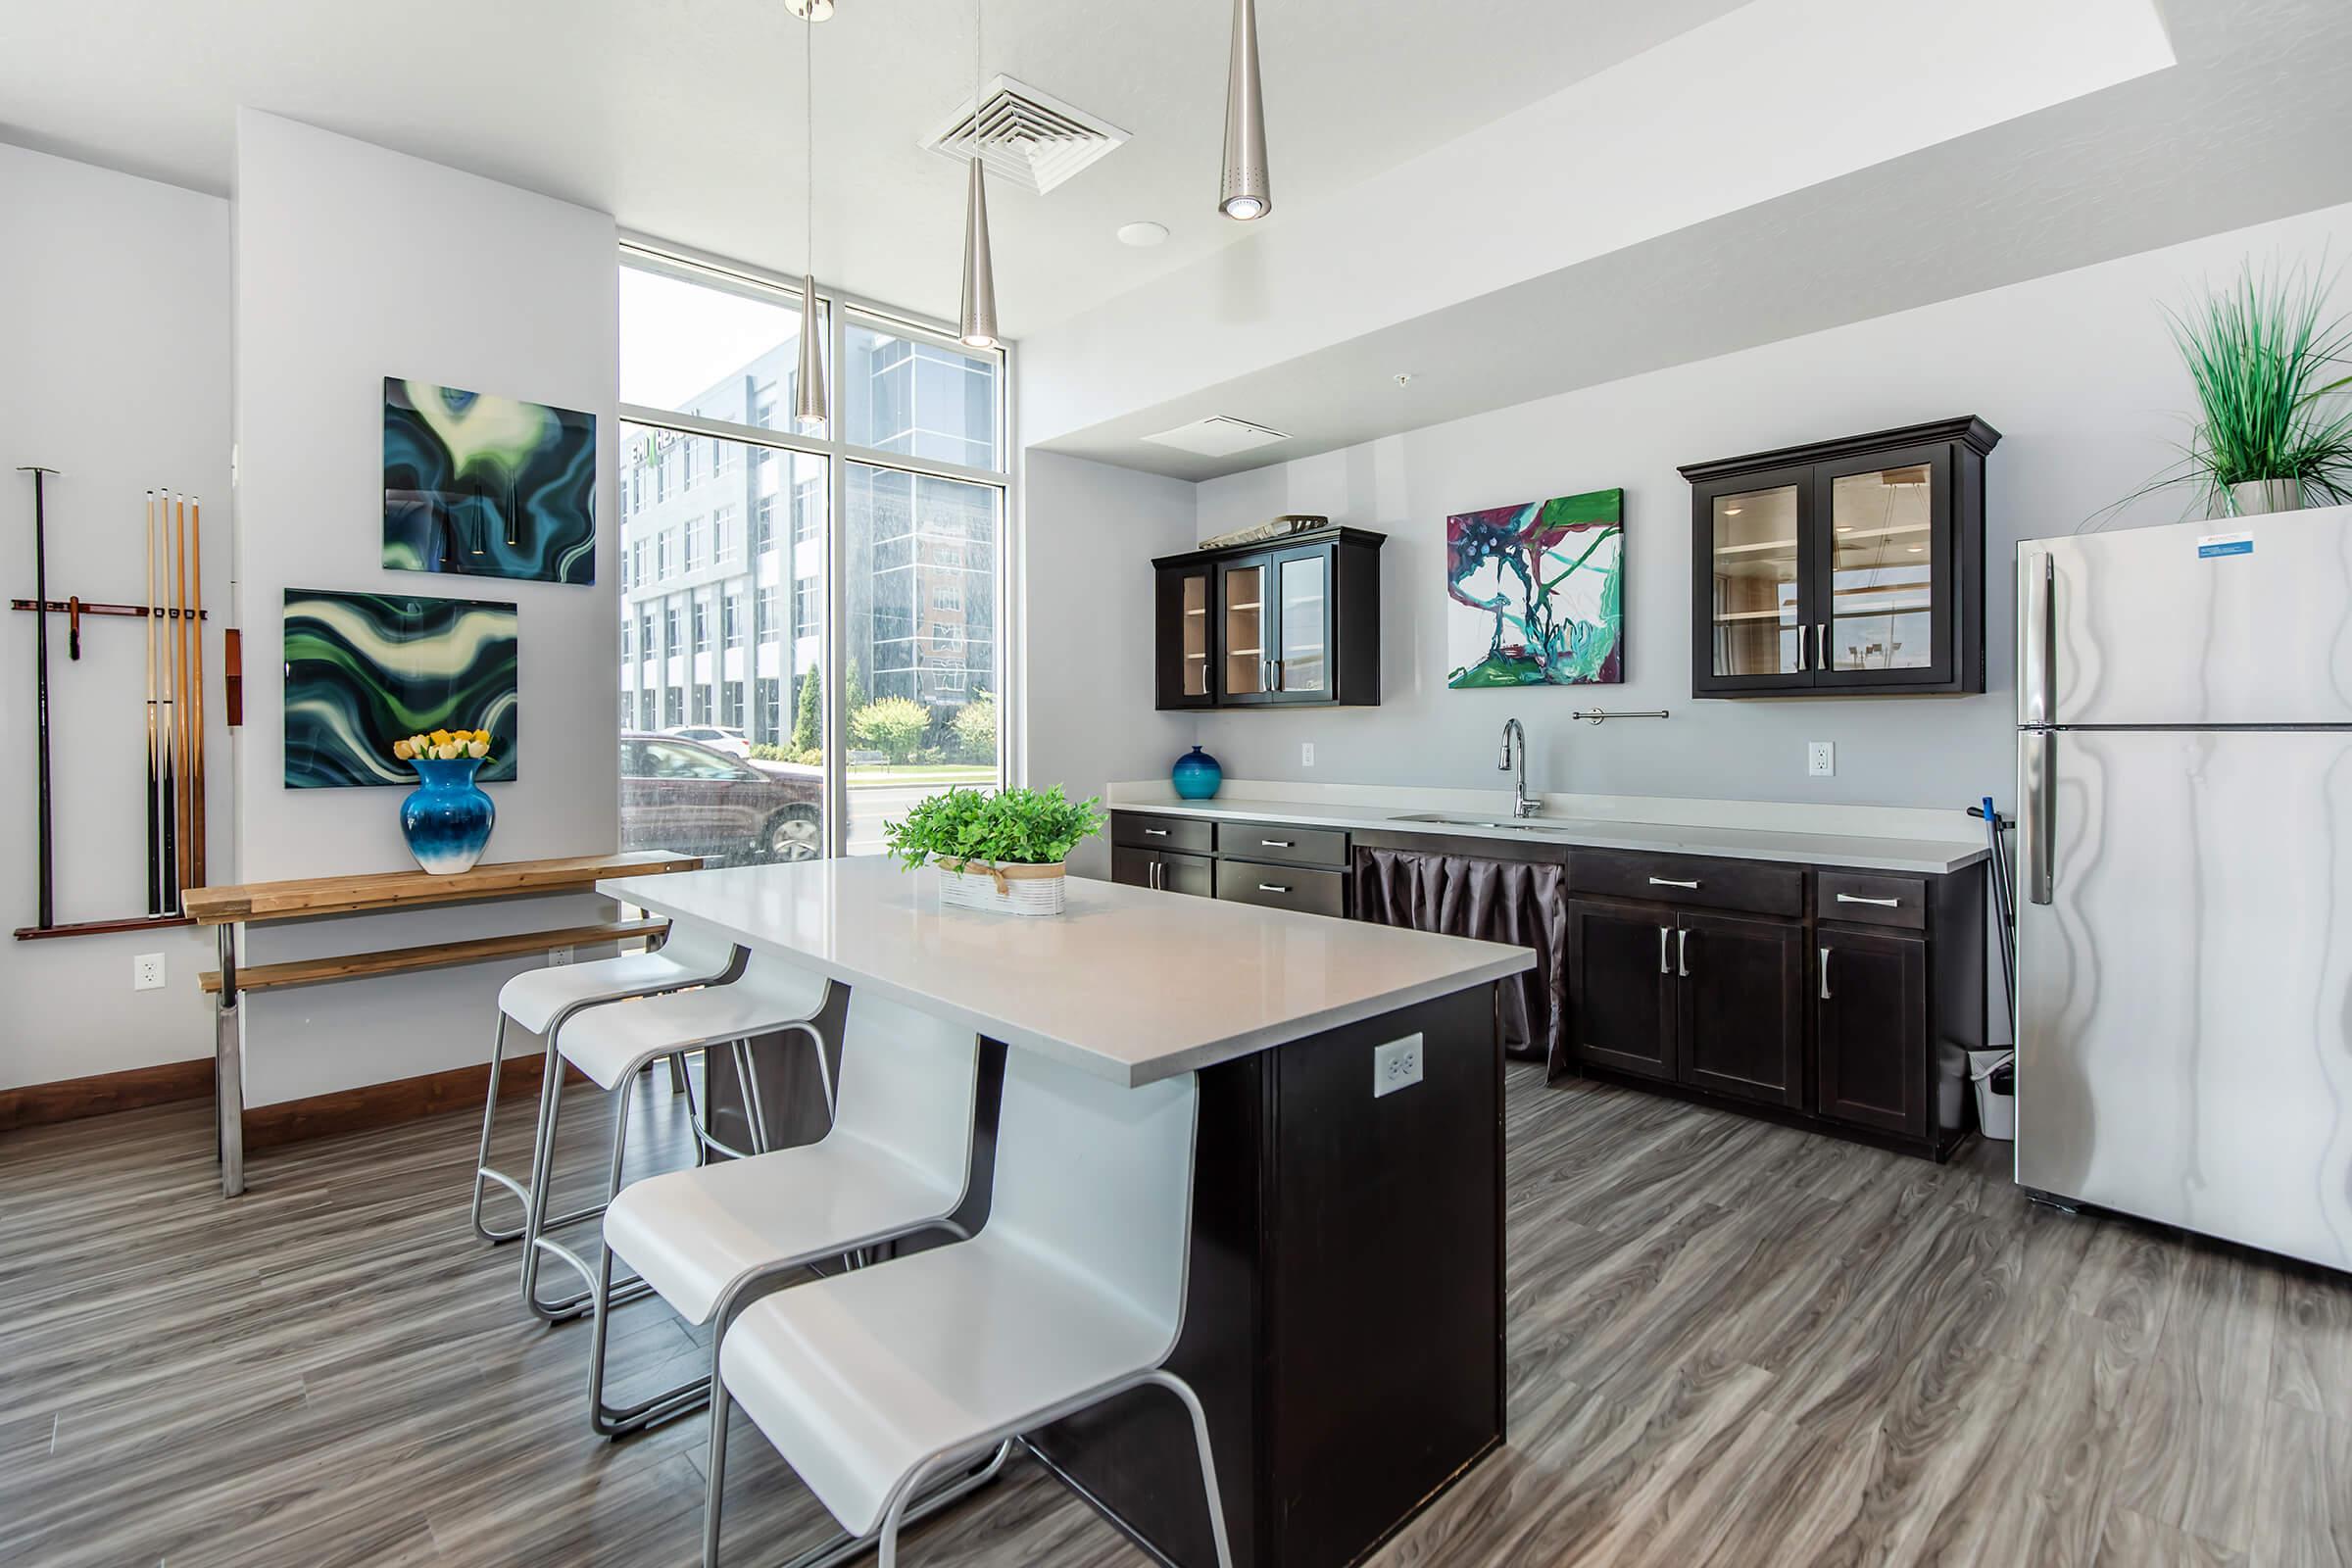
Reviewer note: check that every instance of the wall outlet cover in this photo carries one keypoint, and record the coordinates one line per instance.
(1307, 754)
(1395, 1066)
(147, 972)
(556, 956)
(1821, 758)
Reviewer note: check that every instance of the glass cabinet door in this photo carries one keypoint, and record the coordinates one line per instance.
(1755, 590)
(1185, 640)
(1303, 625)
(1882, 609)
(1192, 637)
(1249, 658)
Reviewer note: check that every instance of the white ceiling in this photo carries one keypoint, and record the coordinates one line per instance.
(683, 118)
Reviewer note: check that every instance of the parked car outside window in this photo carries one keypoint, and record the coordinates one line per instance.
(683, 795)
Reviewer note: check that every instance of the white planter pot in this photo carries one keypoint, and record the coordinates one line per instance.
(1003, 888)
(2258, 497)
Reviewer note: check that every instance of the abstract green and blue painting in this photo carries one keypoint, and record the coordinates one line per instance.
(1538, 593)
(364, 671)
(487, 486)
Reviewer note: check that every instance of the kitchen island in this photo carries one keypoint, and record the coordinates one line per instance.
(1343, 1311)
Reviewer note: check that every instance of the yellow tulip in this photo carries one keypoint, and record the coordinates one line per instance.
(400, 751)
(478, 749)
(482, 735)
(440, 737)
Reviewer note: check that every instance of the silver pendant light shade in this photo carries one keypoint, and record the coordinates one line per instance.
(979, 268)
(1246, 193)
(809, 405)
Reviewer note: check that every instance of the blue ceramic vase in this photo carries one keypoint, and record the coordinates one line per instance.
(1196, 775)
(447, 817)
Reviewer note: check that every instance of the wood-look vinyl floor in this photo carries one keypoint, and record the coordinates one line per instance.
(1730, 1343)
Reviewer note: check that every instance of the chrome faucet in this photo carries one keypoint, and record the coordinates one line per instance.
(1520, 804)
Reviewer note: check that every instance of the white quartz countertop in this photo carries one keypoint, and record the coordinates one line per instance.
(1815, 842)
(1132, 985)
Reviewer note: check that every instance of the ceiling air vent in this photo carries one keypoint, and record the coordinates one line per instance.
(1219, 436)
(1029, 137)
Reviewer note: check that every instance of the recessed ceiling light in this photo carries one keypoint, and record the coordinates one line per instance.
(1733, 511)
(1918, 549)
(1143, 235)
(1846, 528)
(810, 10)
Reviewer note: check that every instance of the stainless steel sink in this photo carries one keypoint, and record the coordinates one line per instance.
(1441, 819)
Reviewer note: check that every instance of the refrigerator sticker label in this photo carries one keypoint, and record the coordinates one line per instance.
(2225, 544)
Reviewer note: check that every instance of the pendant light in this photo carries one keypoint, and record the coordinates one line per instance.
(979, 316)
(809, 403)
(1246, 193)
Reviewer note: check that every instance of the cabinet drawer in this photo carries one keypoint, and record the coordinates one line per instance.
(1283, 887)
(1192, 834)
(1864, 899)
(1291, 846)
(1757, 886)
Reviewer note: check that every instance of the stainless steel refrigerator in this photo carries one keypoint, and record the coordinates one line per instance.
(2184, 847)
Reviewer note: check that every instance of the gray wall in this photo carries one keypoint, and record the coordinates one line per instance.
(1087, 636)
(2076, 369)
(114, 369)
(354, 264)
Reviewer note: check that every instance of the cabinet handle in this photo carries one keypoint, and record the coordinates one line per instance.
(1265, 674)
(1682, 953)
(1159, 867)
(1268, 887)
(1664, 932)
(1155, 832)
(1821, 644)
(1801, 666)
(1277, 663)
(1669, 882)
(1275, 843)
(1856, 897)
(1825, 974)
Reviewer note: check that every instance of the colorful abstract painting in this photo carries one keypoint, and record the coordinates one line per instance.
(1538, 593)
(364, 671)
(487, 487)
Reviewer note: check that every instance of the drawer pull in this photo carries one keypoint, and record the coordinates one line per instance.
(1155, 832)
(1269, 887)
(1669, 882)
(1682, 953)
(1856, 897)
(1825, 974)
(1664, 932)
(1276, 843)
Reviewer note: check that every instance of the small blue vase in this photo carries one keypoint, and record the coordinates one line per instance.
(1196, 775)
(447, 817)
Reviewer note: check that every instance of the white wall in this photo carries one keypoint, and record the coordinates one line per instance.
(2075, 370)
(114, 369)
(1087, 716)
(354, 264)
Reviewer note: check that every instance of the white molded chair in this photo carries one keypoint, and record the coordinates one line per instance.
(541, 1000)
(896, 1161)
(872, 1382)
(611, 1044)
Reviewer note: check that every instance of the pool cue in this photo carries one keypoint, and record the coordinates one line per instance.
(196, 688)
(179, 720)
(155, 818)
(47, 903)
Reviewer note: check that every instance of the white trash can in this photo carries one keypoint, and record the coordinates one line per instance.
(1996, 1109)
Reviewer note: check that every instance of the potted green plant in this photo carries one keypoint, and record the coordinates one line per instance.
(1004, 850)
(2274, 432)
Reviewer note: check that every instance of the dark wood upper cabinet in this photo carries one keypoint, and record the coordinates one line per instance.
(1282, 622)
(1843, 566)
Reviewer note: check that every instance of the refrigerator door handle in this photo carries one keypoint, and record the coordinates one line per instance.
(2037, 796)
(2035, 631)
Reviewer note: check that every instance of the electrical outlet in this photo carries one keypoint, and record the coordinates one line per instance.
(1395, 1066)
(147, 972)
(1307, 754)
(1821, 758)
(556, 956)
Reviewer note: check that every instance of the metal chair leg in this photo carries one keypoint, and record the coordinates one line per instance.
(481, 1165)
(1208, 1462)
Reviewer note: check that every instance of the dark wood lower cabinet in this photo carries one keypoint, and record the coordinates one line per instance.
(1621, 987)
(1164, 870)
(1740, 1006)
(1870, 1011)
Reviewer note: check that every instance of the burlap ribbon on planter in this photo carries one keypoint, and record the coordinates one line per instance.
(1006, 874)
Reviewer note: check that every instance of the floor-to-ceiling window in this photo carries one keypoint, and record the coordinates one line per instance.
(811, 623)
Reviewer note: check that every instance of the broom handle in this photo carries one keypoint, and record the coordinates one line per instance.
(154, 819)
(179, 720)
(196, 689)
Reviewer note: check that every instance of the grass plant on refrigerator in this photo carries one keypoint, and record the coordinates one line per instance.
(367, 670)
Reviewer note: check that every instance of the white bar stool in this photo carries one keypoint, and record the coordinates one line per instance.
(897, 1160)
(611, 1044)
(1073, 1291)
(541, 1000)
